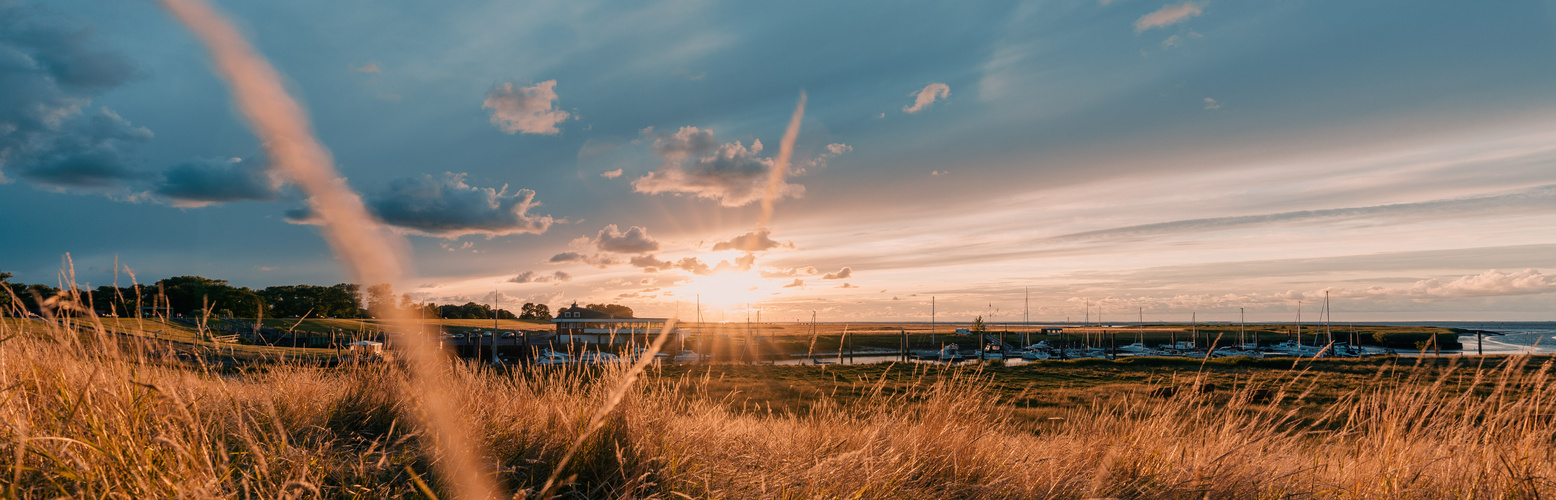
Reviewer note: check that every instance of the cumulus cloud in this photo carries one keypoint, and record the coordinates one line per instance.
(49, 74)
(788, 272)
(697, 266)
(833, 150)
(651, 264)
(202, 182)
(1169, 15)
(755, 241)
(927, 96)
(1212, 104)
(634, 240)
(798, 283)
(847, 285)
(533, 277)
(1489, 283)
(611, 174)
(695, 163)
(446, 207)
(843, 273)
(600, 261)
(530, 110)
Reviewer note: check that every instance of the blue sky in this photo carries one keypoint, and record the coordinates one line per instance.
(1179, 157)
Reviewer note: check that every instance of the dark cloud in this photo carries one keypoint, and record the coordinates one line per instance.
(600, 261)
(755, 241)
(635, 240)
(203, 182)
(49, 73)
(693, 265)
(798, 283)
(533, 277)
(696, 164)
(847, 285)
(843, 273)
(446, 207)
(651, 264)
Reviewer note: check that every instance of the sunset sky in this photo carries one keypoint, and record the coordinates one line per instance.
(1185, 158)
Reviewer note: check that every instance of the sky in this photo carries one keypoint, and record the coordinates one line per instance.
(1045, 160)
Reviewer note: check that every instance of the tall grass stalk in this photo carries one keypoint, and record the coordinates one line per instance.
(83, 415)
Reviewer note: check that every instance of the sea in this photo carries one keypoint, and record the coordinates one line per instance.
(1517, 337)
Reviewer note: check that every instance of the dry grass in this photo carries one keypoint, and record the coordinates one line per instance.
(85, 413)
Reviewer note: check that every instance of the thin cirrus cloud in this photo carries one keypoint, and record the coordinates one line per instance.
(529, 110)
(927, 96)
(1168, 16)
(445, 206)
(534, 277)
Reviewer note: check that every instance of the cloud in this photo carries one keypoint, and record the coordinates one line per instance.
(773, 272)
(635, 240)
(651, 264)
(938, 173)
(755, 241)
(528, 110)
(695, 163)
(49, 73)
(201, 182)
(1489, 283)
(1168, 16)
(843, 273)
(611, 174)
(533, 277)
(833, 150)
(847, 285)
(371, 67)
(927, 96)
(798, 283)
(600, 261)
(1212, 104)
(446, 207)
(697, 266)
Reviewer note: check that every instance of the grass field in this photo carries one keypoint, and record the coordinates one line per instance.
(87, 412)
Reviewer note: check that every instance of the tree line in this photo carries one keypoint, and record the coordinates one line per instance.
(193, 296)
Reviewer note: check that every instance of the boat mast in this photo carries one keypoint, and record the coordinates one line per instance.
(1242, 327)
(1140, 338)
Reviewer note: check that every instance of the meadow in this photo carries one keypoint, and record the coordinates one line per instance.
(90, 409)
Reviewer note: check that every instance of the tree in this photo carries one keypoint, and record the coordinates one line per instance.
(542, 312)
(380, 298)
(616, 309)
(977, 325)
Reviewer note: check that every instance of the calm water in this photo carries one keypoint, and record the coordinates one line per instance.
(1531, 337)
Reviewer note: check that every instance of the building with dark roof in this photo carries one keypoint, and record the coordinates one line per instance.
(588, 326)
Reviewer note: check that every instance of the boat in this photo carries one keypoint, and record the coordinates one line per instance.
(598, 358)
(686, 356)
(1035, 354)
(950, 353)
(1136, 348)
(549, 357)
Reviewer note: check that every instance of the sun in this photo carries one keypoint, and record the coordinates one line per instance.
(724, 290)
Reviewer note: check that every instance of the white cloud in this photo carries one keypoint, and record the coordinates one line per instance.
(1489, 283)
(927, 96)
(634, 240)
(611, 174)
(1168, 16)
(533, 277)
(528, 110)
(755, 241)
(695, 163)
(1212, 104)
(366, 68)
(843, 273)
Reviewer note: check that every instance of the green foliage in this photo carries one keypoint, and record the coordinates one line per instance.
(535, 311)
(978, 326)
(616, 309)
